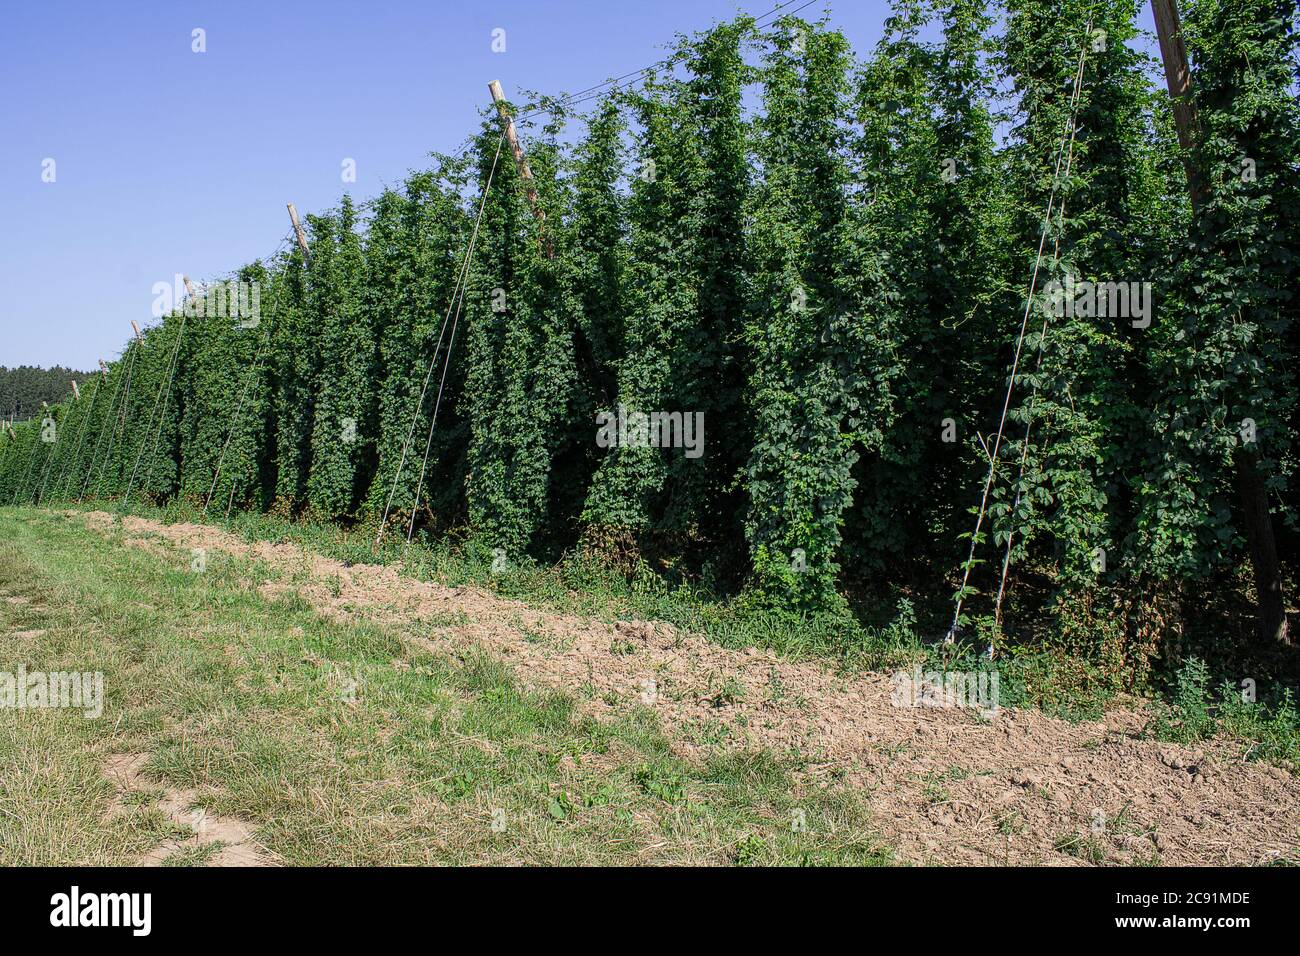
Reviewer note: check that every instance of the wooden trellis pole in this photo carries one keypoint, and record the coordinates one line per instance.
(81, 428)
(35, 450)
(111, 420)
(1178, 77)
(7, 429)
(189, 288)
(521, 162)
(298, 232)
(1251, 488)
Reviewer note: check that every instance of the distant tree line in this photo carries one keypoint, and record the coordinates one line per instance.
(22, 389)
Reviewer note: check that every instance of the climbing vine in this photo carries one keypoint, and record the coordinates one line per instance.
(750, 323)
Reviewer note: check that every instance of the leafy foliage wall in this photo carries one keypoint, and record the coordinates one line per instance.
(828, 260)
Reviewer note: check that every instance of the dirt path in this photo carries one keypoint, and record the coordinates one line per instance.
(233, 838)
(945, 785)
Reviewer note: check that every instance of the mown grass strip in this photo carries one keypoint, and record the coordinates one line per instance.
(342, 743)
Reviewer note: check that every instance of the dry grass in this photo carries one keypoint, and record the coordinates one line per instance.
(341, 741)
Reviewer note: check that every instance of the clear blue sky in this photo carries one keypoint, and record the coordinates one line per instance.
(171, 161)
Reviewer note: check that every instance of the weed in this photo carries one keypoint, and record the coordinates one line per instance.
(1084, 847)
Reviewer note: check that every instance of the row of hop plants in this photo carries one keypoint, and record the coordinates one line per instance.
(827, 259)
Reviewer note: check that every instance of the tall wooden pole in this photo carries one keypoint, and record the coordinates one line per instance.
(298, 233)
(111, 420)
(1178, 77)
(1251, 488)
(521, 161)
(189, 288)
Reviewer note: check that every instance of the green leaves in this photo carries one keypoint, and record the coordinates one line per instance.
(1234, 352)
(520, 307)
(682, 295)
(830, 271)
(807, 360)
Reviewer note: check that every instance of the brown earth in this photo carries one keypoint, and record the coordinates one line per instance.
(946, 785)
(234, 838)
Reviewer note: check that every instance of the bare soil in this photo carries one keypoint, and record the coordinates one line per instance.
(234, 838)
(946, 785)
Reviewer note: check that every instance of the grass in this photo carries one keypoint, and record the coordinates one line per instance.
(1047, 679)
(582, 585)
(1052, 679)
(341, 742)
(1086, 848)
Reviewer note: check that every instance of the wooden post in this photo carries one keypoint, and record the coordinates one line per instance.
(1178, 77)
(189, 288)
(76, 392)
(1251, 488)
(111, 421)
(138, 336)
(521, 161)
(297, 231)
